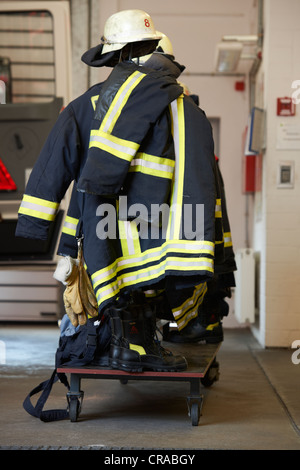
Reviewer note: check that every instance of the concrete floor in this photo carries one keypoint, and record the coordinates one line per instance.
(253, 406)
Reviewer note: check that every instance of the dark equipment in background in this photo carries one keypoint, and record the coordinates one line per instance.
(24, 128)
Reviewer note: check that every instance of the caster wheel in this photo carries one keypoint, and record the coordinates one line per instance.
(123, 381)
(74, 409)
(195, 414)
(212, 375)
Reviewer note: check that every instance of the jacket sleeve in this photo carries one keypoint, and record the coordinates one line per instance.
(56, 167)
(68, 242)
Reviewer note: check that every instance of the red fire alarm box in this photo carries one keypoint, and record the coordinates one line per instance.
(285, 107)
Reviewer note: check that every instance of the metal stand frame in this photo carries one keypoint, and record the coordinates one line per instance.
(206, 374)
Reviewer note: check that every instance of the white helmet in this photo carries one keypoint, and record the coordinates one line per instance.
(164, 44)
(125, 27)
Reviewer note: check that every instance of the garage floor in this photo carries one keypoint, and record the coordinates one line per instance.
(254, 405)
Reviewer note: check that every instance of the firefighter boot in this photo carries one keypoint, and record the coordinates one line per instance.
(140, 350)
(206, 327)
(114, 314)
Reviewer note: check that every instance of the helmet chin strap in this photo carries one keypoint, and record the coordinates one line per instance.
(129, 54)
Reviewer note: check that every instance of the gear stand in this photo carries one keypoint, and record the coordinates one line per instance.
(203, 370)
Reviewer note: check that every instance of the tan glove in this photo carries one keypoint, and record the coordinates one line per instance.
(72, 299)
(87, 293)
(79, 298)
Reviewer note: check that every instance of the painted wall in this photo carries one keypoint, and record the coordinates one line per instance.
(277, 220)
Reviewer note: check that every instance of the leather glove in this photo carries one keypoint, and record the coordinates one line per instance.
(79, 298)
(87, 294)
(64, 268)
(72, 299)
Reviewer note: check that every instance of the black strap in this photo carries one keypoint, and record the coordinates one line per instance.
(45, 388)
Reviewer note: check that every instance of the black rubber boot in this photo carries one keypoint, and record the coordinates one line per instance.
(114, 314)
(194, 332)
(138, 349)
(206, 327)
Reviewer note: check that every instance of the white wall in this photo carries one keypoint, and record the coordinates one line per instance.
(194, 27)
(280, 218)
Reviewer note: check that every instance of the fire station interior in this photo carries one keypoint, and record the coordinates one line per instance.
(242, 59)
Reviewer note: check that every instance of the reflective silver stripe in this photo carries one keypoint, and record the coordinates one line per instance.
(101, 276)
(107, 292)
(197, 294)
(38, 207)
(169, 264)
(195, 247)
(227, 239)
(155, 256)
(189, 316)
(70, 225)
(189, 309)
(115, 146)
(218, 208)
(156, 168)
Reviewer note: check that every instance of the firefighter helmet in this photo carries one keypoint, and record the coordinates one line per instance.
(165, 44)
(127, 26)
(164, 47)
(127, 34)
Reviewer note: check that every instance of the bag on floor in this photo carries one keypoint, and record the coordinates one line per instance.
(81, 346)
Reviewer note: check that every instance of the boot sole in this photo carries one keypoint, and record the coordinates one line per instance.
(131, 367)
(181, 339)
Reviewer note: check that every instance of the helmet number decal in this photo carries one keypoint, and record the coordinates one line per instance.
(147, 23)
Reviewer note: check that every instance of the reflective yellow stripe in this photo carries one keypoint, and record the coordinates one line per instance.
(153, 255)
(139, 349)
(102, 137)
(39, 208)
(129, 238)
(227, 239)
(218, 209)
(178, 131)
(212, 326)
(104, 275)
(154, 272)
(151, 272)
(94, 100)
(151, 165)
(107, 292)
(120, 148)
(70, 226)
(200, 289)
(120, 100)
(189, 309)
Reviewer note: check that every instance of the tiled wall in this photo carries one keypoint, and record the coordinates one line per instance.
(280, 278)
